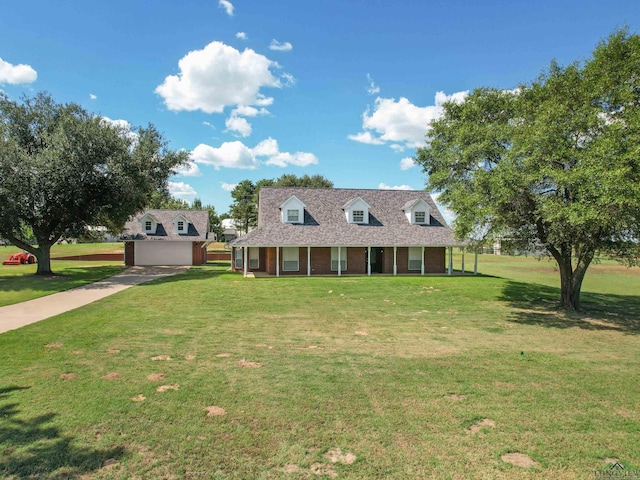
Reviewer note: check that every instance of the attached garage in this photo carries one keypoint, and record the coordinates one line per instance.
(167, 237)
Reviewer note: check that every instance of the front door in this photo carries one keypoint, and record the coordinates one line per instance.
(377, 259)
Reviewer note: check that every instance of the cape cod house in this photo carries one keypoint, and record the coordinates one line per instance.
(327, 231)
(167, 237)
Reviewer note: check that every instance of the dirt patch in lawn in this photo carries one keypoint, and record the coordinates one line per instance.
(456, 397)
(53, 345)
(111, 376)
(113, 351)
(335, 455)
(223, 355)
(189, 357)
(160, 357)
(68, 376)
(478, 426)
(245, 364)
(519, 460)
(139, 398)
(360, 332)
(155, 377)
(215, 411)
(164, 388)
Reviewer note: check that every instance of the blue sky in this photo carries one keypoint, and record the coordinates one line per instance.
(257, 88)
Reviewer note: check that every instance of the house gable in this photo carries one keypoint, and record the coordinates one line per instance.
(292, 210)
(357, 211)
(417, 211)
(148, 224)
(181, 225)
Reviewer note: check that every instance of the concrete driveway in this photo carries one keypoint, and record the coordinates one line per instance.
(31, 311)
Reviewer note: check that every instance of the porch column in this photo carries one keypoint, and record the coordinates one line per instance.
(450, 269)
(462, 259)
(277, 261)
(475, 263)
(395, 256)
(339, 261)
(246, 260)
(308, 261)
(368, 261)
(422, 264)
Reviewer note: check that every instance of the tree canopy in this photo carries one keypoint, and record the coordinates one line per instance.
(63, 169)
(553, 163)
(245, 195)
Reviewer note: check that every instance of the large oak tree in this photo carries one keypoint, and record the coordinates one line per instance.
(554, 163)
(63, 169)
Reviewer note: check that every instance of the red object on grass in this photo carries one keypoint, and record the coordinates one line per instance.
(20, 259)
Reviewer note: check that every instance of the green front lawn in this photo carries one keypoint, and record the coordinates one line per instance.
(352, 377)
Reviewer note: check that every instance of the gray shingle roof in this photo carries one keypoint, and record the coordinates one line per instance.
(197, 232)
(325, 223)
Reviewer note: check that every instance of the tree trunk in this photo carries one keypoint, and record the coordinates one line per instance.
(570, 279)
(44, 260)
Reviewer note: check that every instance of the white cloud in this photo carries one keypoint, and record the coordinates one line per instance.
(247, 111)
(124, 127)
(16, 74)
(289, 80)
(228, 186)
(299, 159)
(384, 186)
(239, 125)
(372, 89)
(181, 190)
(227, 5)
(93, 97)
(365, 137)
(280, 47)
(219, 76)
(241, 35)
(407, 163)
(266, 148)
(238, 155)
(230, 155)
(400, 123)
(189, 169)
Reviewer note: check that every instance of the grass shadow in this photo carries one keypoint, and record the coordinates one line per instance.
(31, 448)
(536, 304)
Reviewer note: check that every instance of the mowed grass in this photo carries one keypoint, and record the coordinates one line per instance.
(351, 377)
(18, 283)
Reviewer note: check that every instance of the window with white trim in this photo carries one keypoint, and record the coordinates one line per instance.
(290, 259)
(180, 226)
(147, 226)
(238, 261)
(293, 216)
(415, 258)
(358, 216)
(420, 217)
(254, 257)
(334, 259)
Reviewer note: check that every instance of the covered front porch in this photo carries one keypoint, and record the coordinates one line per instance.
(340, 260)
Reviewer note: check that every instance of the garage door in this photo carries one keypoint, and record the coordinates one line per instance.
(163, 253)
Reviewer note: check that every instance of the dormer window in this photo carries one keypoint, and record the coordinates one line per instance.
(148, 224)
(357, 211)
(417, 211)
(180, 224)
(293, 216)
(292, 210)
